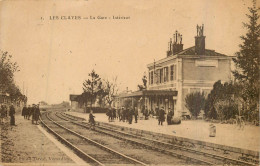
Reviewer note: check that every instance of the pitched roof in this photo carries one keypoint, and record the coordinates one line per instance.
(73, 97)
(191, 51)
(149, 93)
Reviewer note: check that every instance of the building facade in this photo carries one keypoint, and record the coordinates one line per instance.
(184, 71)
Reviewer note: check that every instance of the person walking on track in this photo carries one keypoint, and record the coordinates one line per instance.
(91, 120)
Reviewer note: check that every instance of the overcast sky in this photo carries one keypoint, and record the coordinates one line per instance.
(55, 56)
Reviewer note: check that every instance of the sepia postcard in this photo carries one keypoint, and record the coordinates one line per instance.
(129, 82)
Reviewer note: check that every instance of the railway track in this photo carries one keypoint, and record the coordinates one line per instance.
(194, 155)
(89, 150)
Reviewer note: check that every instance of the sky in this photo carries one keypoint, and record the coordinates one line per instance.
(55, 56)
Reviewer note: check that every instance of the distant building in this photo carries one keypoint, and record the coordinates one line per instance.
(74, 102)
(77, 104)
(181, 72)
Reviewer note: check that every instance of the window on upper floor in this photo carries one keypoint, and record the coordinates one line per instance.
(165, 76)
(151, 77)
(161, 75)
(149, 80)
(173, 72)
(157, 74)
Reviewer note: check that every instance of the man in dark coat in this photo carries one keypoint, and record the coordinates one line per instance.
(109, 114)
(161, 116)
(136, 114)
(130, 115)
(11, 114)
(169, 117)
(146, 113)
(33, 110)
(113, 114)
(123, 114)
(119, 114)
(37, 114)
(24, 112)
(29, 112)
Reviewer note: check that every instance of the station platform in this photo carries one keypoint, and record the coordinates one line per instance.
(226, 134)
(30, 144)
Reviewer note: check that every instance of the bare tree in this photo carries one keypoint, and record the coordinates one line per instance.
(110, 89)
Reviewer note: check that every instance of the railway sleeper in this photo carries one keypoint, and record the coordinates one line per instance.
(215, 156)
(101, 146)
(151, 147)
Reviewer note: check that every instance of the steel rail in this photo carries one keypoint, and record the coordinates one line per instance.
(98, 144)
(82, 154)
(182, 148)
(149, 146)
(249, 156)
(179, 147)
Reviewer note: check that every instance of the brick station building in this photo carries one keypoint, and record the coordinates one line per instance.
(181, 72)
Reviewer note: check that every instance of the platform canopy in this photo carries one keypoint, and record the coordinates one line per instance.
(149, 93)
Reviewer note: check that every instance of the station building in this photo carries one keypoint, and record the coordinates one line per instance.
(181, 72)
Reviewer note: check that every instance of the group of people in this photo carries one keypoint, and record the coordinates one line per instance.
(127, 114)
(27, 112)
(161, 115)
(32, 111)
(4, 113)
(123, 114)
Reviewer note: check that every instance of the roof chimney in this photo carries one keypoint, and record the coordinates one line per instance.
(200, 41)
(169, 52)
(175, 46)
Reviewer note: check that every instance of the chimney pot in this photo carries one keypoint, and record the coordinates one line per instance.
(200, 41)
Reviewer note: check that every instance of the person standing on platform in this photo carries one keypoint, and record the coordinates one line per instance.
(11, 114)
(136, 114)
(24, 112)
(156, 111)
(37, 114)
(113, 113)
(161, 116)
(146, 113)
(123, 114)
(130, 115)
(109, 114)
(126, 114)
(169, 117)
(33, 113)
(119, 110)
(143, 109)
(29, 112)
